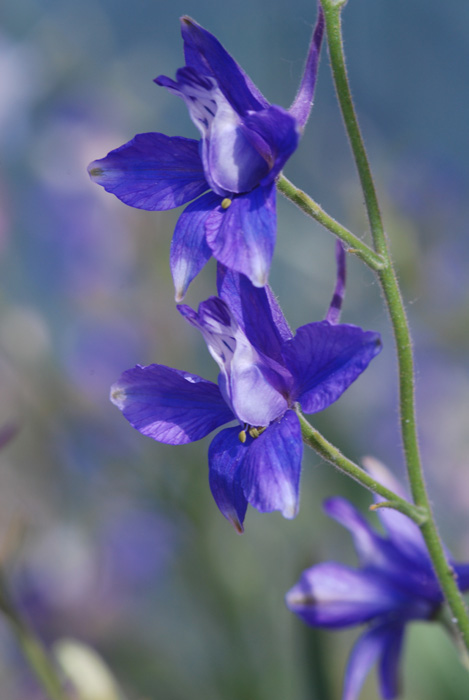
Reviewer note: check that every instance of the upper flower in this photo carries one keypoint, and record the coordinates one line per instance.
(244, 144)
(394, 585)
(264, 372)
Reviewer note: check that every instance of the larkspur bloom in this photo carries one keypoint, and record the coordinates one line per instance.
(264, 372)
(394, 585)
(229, 175)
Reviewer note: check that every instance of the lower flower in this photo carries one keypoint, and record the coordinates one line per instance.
(265, 373)
(394, 585)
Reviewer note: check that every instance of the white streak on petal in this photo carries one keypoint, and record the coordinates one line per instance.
(118, 396)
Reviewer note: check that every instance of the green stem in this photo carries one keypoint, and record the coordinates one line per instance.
(444, 619)
(339, 72)
(392, 295)
(32, 648)
(332, 454)
(354, 244)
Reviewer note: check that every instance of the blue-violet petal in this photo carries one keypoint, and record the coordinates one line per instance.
(225, 459)
(152, 171)
(242, 237)
(189, 249)
(256, 310)
(232, 164)
(274, 134)
(369, 647)
(325, 359)
(402, 531)
(205, 53)
(389, 676)
(249, 383)
(334, 595)
(271, 471)
(303, 102)
(369, 545)
(169, 405)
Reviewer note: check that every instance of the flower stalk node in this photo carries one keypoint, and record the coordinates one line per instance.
(417, 514)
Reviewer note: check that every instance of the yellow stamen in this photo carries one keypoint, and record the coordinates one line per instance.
(255, 432)
(242, 436)
(225, 203)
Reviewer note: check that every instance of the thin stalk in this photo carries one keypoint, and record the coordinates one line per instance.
(393, 299)
(353, 244)
(333, 455)
(32, 648)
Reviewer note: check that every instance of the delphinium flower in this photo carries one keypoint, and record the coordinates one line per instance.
(229, 175)
(394, 585)
(265, 372)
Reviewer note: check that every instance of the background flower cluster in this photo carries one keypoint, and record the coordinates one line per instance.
(116, 540)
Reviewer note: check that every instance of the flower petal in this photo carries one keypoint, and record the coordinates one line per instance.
(168, 405)
(303, 102)
(242, 237)
(152, 171)
(189, 249)
(389, 676)
(232, 164)
(235, 161)
(271, 471)
(325, 359)
(274, 134)
(249, 383)
(255, 391)
(198, 91)
(334, 595)
(370, 546)
(256, 310)
(402, 530)
(205, 53)
(225, 459)
(374, 643)
(412, 576)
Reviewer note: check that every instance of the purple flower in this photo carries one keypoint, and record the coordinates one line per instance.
(230, 173)
(264, 372)
(394, 585)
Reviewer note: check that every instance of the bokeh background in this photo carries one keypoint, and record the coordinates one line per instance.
(111, 539)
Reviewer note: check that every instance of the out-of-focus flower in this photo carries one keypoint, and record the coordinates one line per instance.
(7, 433)
(394, 585)
(245, 143)
(264, 372)
(86, 583)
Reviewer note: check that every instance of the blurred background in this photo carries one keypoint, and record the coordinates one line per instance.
(111, 539)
